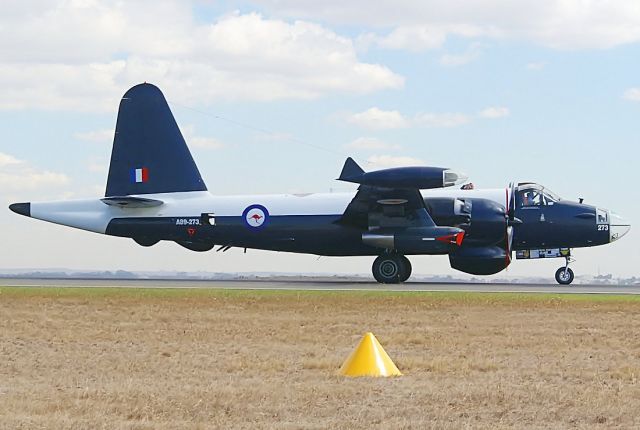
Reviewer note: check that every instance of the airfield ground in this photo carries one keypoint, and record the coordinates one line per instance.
(201, 358)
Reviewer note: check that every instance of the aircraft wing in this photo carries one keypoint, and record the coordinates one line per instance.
(377, 207)
(387, 206)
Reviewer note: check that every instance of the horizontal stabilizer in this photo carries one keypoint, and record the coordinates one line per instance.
(131, 202)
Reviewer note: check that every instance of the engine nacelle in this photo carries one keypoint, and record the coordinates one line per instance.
(488, 224)
(486, 260)
(449, 211)
(483, 220)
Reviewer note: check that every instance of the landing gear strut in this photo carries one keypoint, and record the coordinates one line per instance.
(564, 275)
(391, 268)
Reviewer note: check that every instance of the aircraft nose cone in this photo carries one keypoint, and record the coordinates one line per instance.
(618, 227)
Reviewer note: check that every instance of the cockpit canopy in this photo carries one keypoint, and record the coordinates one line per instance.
(532, 194)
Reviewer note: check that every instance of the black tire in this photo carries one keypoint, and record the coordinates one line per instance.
(387, 269)
(564, 278)
(406, 269)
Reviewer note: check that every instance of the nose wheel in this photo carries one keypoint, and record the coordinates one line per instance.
(564, 275)
(391, 268)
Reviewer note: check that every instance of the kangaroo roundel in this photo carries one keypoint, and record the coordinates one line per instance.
(255, 216)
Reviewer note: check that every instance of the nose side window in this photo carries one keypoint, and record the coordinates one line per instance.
(602, 216)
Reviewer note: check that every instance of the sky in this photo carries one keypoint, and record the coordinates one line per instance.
(273, 95)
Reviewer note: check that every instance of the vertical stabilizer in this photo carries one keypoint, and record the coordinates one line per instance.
(149, 153)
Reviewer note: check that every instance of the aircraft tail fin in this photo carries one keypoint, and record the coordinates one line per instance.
(149, 154)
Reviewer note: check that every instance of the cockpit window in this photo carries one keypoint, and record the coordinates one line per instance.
(536, 195)
(547, 199)
(531, 197)
(550, 196)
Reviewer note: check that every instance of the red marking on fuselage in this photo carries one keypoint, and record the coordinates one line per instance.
(453, 239)
(191, 231)
(256, 217)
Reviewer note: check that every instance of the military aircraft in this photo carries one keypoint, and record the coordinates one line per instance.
(155, 192)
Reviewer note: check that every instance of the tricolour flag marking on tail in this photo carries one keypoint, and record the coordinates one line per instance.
(139, 175)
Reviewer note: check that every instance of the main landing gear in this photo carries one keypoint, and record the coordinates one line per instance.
(564, 275)
(391, 268)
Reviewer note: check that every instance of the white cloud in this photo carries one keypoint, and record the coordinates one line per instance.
(412, 38)
(535, 66)
(17, 175)
(268, 136)
(236, 57)
(96, 136)
(202, 142)
(205, 143)
(418, 38)
(8, 160)
(472, 53)
(369, 144)
(494, 112)
(94, 166)
(386, 161)
(446, 120)
(560, 24)
(85, 87)
(632, 94)
(378, 119)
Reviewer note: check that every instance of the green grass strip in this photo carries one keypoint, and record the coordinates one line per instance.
(440, 296)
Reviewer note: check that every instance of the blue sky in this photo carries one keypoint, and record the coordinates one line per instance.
(547, 91)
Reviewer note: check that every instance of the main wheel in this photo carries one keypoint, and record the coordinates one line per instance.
(564, 276)
(406, 270)
(387, 269)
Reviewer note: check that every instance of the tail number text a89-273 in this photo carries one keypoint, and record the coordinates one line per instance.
(188, 221)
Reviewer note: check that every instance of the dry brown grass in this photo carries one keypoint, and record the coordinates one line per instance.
(207, 359)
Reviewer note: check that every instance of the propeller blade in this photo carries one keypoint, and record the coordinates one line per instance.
(511, 202)
(508, 242)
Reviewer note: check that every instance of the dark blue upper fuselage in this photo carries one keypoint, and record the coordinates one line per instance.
(548, 222)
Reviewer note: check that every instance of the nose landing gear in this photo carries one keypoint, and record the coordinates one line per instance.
(391, 268)
(564, 275)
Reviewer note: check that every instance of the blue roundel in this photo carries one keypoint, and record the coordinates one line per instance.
(255, 216)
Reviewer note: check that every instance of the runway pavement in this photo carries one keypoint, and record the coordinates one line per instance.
(321, 285)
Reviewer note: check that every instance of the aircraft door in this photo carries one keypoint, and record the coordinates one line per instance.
(529, 209)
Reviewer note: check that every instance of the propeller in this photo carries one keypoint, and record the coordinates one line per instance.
(508, 241)
(511, 220)
(511, 201)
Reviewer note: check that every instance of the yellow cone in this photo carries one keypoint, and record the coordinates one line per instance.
(369, 359)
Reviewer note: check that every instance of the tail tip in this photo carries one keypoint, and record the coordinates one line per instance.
(21, 208)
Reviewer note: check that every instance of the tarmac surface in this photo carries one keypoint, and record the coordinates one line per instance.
(321, 285)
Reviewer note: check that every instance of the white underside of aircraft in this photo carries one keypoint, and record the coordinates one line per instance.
(94, 215)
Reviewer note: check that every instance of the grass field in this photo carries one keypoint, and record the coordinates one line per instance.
(166, 359)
